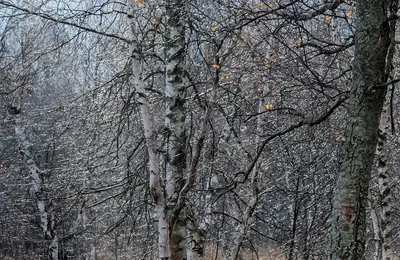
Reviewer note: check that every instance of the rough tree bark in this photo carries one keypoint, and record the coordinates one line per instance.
(171, 219)
(175, 124)
(367, 94)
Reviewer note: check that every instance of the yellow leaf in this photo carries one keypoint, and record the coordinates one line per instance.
(224, 78)
(267, 64)
(259, 5)
(217, 54)
(213, 28)
(328, 18)
(268, 106)
(349, 13)
(139, 2)
(298, 42)
(216, 66)
(336, 132)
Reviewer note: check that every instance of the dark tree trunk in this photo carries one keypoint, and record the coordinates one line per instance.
(366, 99)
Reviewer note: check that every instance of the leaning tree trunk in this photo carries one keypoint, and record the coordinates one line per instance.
(44, 205)
(156, 187)
(372, 40)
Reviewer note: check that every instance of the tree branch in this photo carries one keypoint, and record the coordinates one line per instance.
(50, 18)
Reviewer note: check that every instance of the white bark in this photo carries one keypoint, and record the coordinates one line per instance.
(174, 96)
(175, 125)
(375, 228)
(54, 248)
(47, 220)
(383, 173)
(147, 120)
(384, 187)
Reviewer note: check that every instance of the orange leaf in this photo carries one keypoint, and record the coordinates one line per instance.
(139, 2)
(349, 13)
(328, 18)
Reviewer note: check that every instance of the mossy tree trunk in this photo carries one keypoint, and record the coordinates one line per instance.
(367, 96)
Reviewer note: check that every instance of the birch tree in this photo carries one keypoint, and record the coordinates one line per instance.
(44, 202)
(384, 183)
(172, 223)
(199, 124)
(155, 182)
(384, 178)
(175, 124)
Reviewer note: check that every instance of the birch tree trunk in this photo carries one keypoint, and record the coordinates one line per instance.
(171, 220)
(44, 204)
(375, 228)
(156, 188)
(384, 188)
(175, 124)
(383, 173)
(367, 95)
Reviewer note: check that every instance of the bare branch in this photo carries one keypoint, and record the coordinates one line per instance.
(53, 19)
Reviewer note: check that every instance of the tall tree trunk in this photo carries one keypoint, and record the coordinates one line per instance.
(156, 188)
(175, 124)
(383, 173)
(44, 204)
(367, 95)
